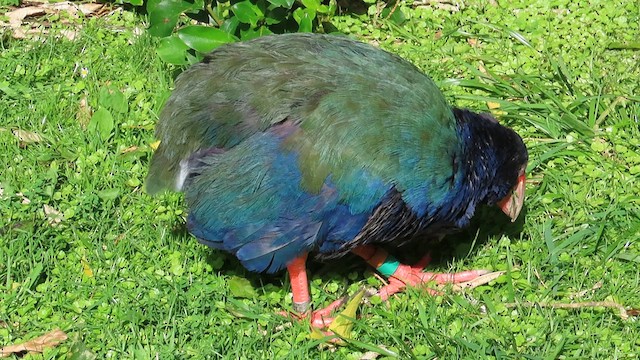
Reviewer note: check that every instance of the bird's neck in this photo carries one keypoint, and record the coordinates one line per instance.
(474, 171)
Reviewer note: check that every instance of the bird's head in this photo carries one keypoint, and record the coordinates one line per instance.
(513, 202)
(498, 158)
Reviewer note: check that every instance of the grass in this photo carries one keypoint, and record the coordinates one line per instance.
(84, 249)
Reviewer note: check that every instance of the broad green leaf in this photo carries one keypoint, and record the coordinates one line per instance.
(113, 99)
(79, 351)
(282, 3)
(173, 50)
(304, 18)
(254, 33)
(135, 2)
(276, 16)
(247, 12)
(203, 38)
(311, 4)
(194, 59)
(5, 87)
(109, 194)
(102, 123)
(241, 287)
(230, 25)
(163, 15)
(397, 16)
(196, 7)
(333, 6)
(324, 9)
(628, 257)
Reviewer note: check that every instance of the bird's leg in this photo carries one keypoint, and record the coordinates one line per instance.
(299, 284)
(302, 299)
(401, 275)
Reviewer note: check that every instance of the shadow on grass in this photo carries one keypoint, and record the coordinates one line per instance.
(487, 225)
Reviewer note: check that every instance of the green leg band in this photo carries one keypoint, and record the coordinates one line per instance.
(389, 266)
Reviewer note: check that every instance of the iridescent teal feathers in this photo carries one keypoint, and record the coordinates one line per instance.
(301, 142)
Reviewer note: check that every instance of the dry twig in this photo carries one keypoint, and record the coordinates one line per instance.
(622, 312)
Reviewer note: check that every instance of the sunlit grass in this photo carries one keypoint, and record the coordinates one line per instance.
(84, 249)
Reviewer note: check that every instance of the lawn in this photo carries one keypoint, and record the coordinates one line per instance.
(84, 249)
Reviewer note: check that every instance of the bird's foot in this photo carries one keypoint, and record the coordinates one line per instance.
(319, 319)
(406, 275)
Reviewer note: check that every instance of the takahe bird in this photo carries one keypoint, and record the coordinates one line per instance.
(298, 144)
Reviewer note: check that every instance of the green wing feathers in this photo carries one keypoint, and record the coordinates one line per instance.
(355, 105)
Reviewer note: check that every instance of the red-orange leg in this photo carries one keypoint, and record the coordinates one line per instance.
(400, 275)
(299, 284)
(301, 297)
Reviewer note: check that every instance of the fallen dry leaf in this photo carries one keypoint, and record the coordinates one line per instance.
(69, 34)
(118, 238)
(447, 5)
(343, 322)
(369, 355)
(89, 9)
(62, 6)
(54, 217)
(481, 68)
(129, 149)
(23, 199)
(582, 293)
(26, 137)
(84, 112)
(36, 345)
(633, 312)
(17, 17)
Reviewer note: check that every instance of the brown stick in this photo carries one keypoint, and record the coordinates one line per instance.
(622, 312)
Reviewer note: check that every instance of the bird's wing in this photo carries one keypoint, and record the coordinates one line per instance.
(357, 106)
(249, 201)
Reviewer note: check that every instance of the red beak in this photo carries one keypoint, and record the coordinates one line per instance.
(512, 203)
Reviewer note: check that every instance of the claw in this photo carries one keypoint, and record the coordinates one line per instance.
(319, 319)
(331, 329)
(399, 277)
